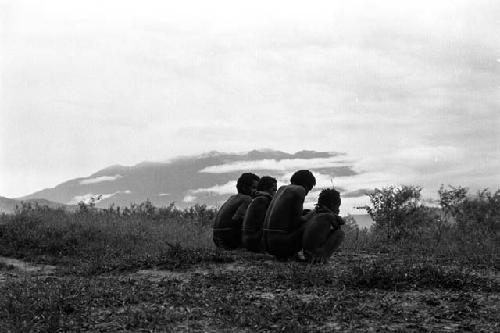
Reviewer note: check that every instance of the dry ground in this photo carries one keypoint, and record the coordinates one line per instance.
(352, 293)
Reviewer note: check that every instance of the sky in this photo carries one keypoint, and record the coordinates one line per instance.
(409, 91)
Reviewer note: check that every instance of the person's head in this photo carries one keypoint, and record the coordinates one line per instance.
(304, 178)
(329, 198)
(247, 183)
(268, 184)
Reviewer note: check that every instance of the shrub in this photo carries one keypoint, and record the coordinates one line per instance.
(392, 209)
(105, 240)
(476, 222)
(480, 213)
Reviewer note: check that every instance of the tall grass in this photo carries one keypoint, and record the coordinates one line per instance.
(90, 243)
(143, 235)
(465, 228)
(104, 240)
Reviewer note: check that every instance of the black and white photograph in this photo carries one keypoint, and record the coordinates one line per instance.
(249, 166)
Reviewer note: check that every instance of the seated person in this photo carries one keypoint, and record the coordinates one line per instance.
(251, 233)
(284, 222)
(322, 234)
(227, 225)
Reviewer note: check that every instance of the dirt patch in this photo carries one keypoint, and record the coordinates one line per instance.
(157, 275)
(26, 267)
(160, 275)
(249, 295)
(264, 295)
(4, 276)
(234, 267)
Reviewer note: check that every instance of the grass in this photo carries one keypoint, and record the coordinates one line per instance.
(258, 296)
(98, 242)
(6, 267)
(101, 286)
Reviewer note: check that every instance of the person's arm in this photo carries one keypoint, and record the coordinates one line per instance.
(309, 215)
(260, 210)
(317, 232)
(239, 215)
(337, 221)
(255, 215)
(298, 207)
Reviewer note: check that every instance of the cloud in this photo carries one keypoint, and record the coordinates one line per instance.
(368, 78)
(357, 193)
(99, 179)
(410, 162)
(86, 198)
(189, 198)
(227, 188)
(422, 165)
(277, 165)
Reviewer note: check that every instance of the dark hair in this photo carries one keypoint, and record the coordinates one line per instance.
(304, 178)
(329, 196)
(266, 183)
(246, 179)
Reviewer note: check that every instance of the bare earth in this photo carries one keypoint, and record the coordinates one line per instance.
(255, 293)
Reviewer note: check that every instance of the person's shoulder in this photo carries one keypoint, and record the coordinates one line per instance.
(322, 217)
(242, 197)
(263, 195)
(228, 201)
(262, 200)
(236, 199)
(297, 189)
(232, 198)
(281, 188)
(325, 215)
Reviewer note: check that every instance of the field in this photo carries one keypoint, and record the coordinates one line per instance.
(150, 270)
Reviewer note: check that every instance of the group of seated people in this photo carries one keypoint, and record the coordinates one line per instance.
(263, 219)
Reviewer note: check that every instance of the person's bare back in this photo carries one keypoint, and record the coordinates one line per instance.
(284, 222)
(285, 210)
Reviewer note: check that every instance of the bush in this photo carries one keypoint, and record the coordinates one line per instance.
(105, 240)
(465, 226)
(392, 209)
(476, 214)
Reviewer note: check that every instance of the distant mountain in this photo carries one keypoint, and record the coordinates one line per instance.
(206, 179)
(8, 205)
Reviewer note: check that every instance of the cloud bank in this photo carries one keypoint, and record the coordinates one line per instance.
(87, 198)
(277, 165)
(99, 179)
(380, 80)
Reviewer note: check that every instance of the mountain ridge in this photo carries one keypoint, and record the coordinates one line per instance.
(181, 180)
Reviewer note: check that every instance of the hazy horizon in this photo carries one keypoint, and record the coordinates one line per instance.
(410, 92)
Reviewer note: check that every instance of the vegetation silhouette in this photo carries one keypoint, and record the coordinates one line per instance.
(417, 268)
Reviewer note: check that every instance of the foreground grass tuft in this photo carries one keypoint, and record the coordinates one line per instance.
(410, 274)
